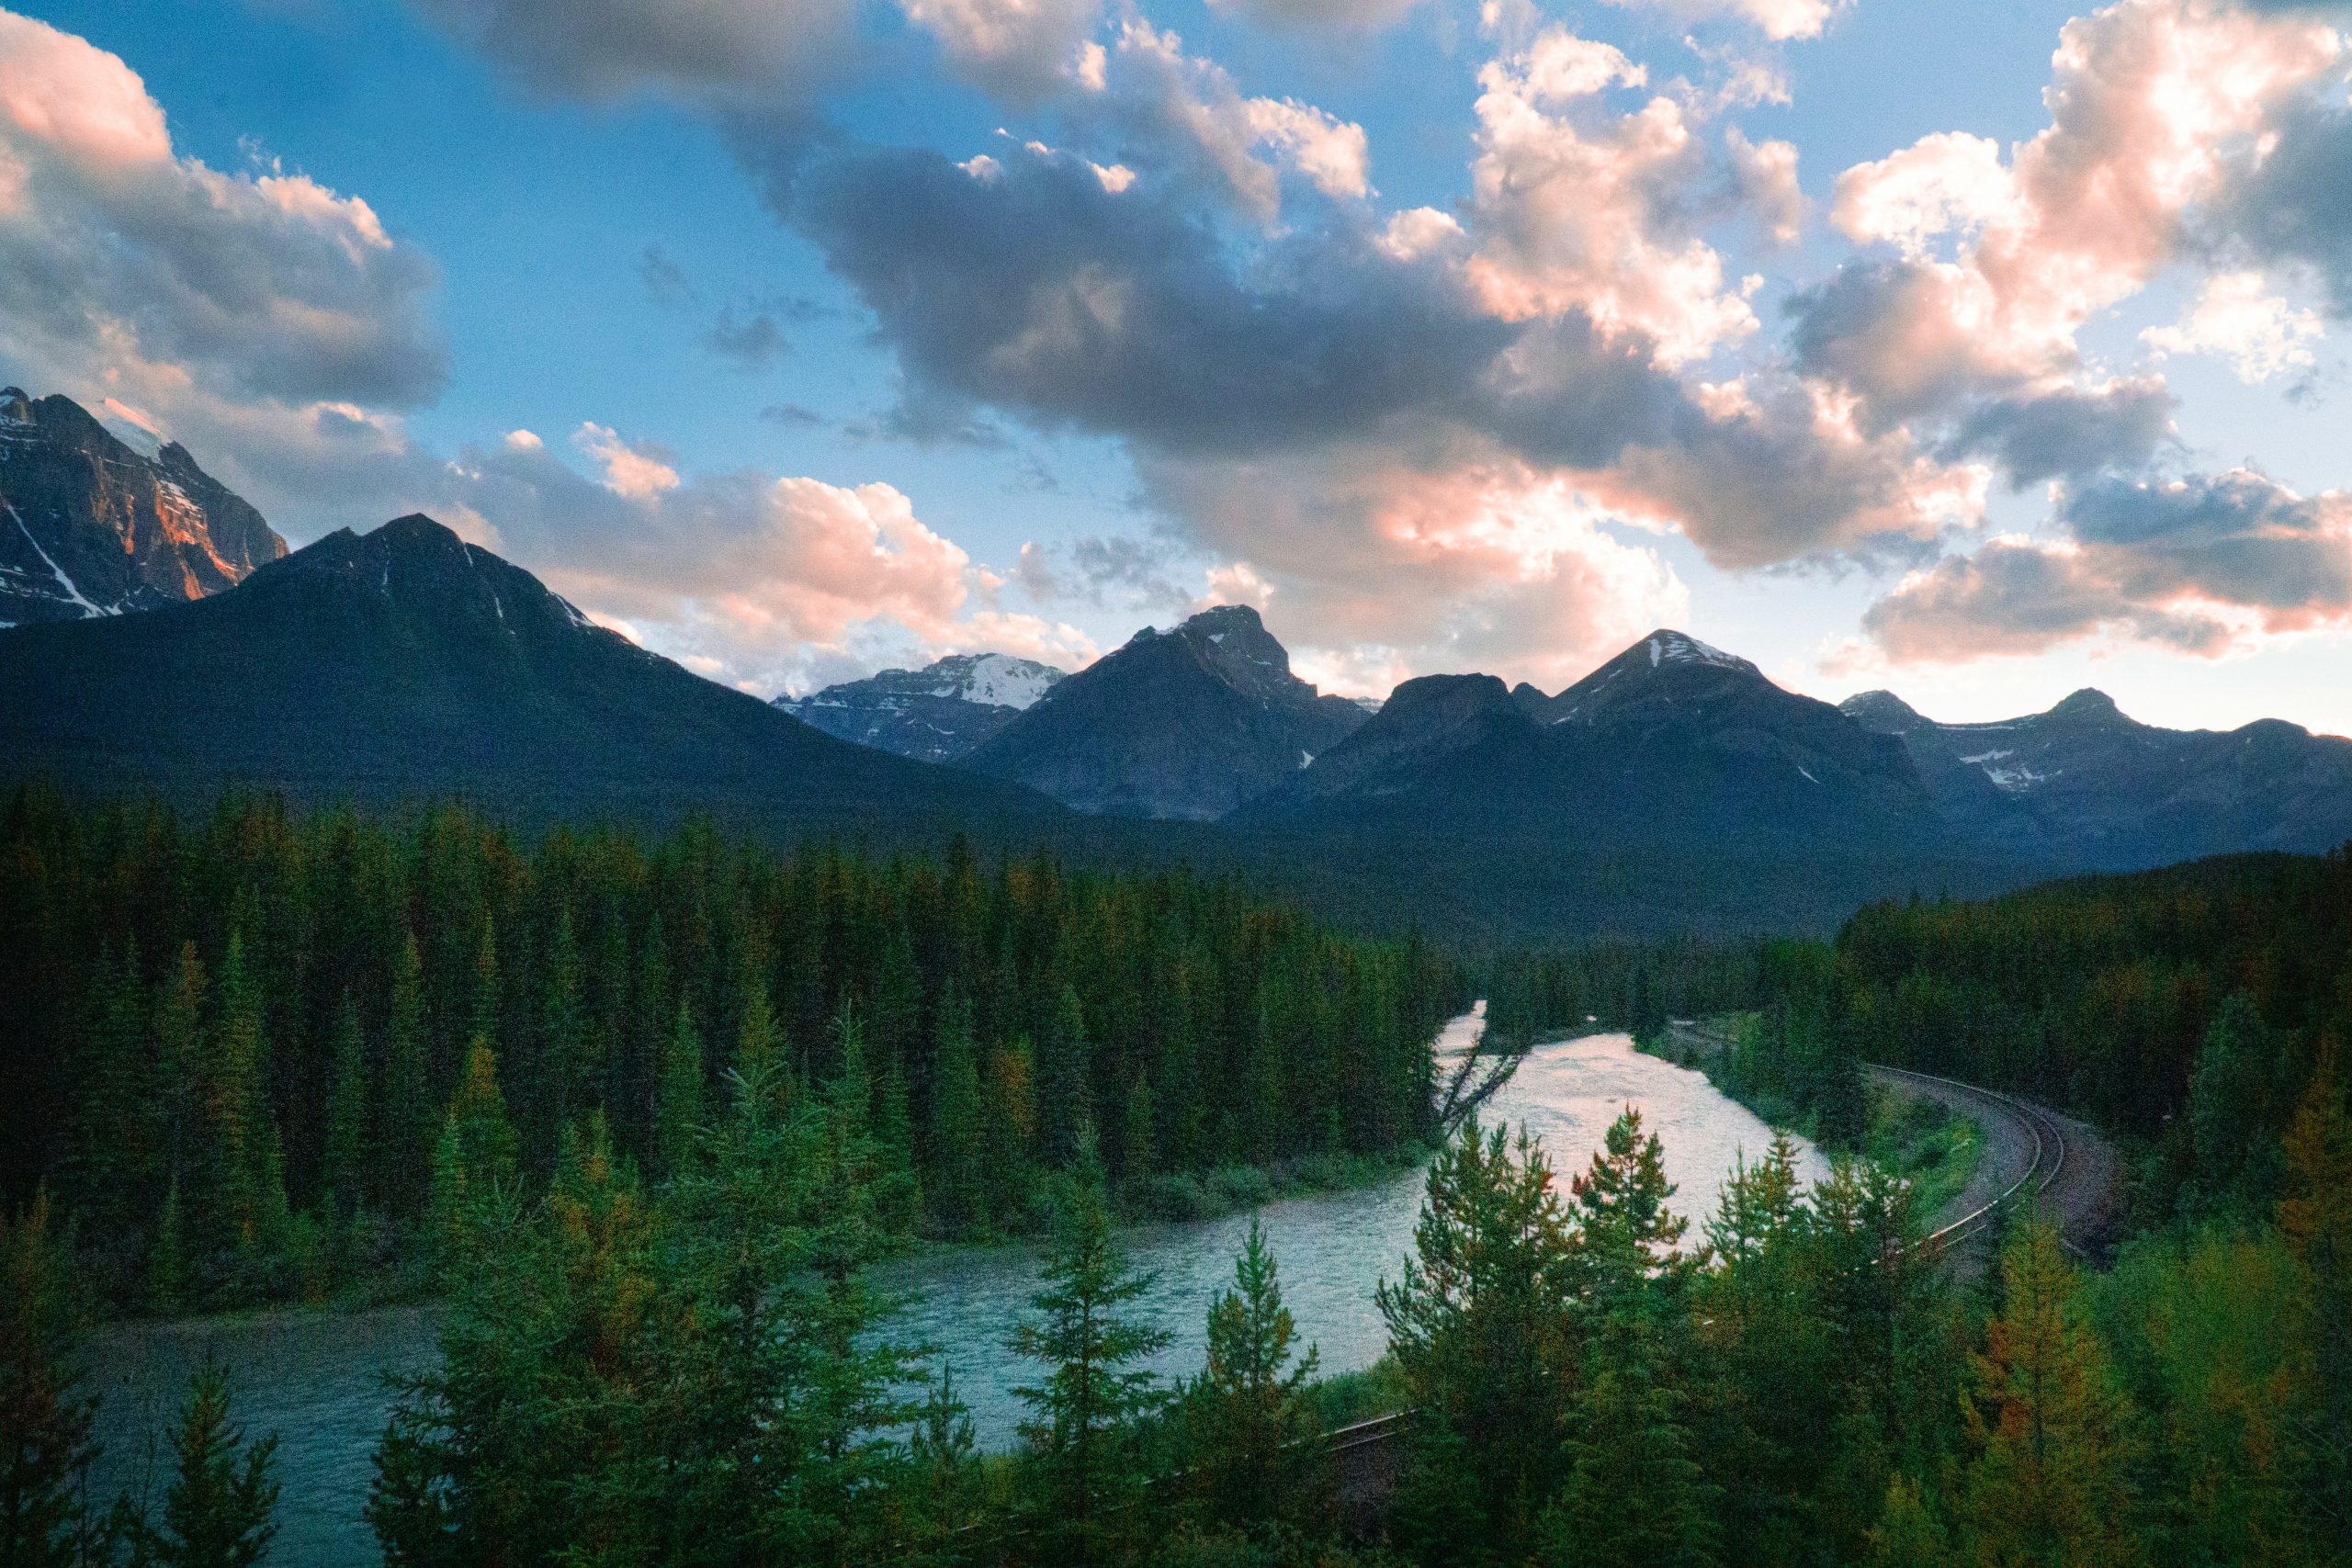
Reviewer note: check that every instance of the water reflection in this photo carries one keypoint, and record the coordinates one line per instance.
(315, 1377)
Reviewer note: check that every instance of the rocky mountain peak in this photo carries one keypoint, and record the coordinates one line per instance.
(92, 525)
(2089, 706)
(1884, 712)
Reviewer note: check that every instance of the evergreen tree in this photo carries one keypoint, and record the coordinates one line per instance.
(475, 1159)
(2049, 1485)
(1249, 1423)
(217, 1512)
(1635, 1492)
(1481, 1329)
(957, 1143)
(1081, 1429)
(1064, 1096)
(346, 1160)
(678, 1102)
(407, 1122)
(2315, 1217)
(48, 1450)
(568, 1064)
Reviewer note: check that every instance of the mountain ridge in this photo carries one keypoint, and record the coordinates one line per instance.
(90, 525)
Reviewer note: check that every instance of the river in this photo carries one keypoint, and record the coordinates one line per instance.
(314, 1377)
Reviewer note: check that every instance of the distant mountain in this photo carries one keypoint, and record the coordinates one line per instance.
(1669, 743)
(1186, 722)
(2086, 785)
(407, 661)
(935, 713)
(91, 525)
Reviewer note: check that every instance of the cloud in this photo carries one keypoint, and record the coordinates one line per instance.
(2001, 265)
(1339, 15)
(125, 268)
(2014, 597)
(1514, 570)
(2237, 319)
(2293, 205)
(752, 342)
(1777, 19)
(1021, 51)
(1765, 175)
(720, 51)
(1581, 209)
(2069, 431)
(2196, 563)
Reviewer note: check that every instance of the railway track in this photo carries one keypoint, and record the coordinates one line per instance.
(2045, 1132)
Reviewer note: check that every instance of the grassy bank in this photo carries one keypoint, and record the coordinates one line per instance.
(1926, 1144)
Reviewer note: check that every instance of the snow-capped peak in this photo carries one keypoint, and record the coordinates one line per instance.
(1679, 647)
(997, 680)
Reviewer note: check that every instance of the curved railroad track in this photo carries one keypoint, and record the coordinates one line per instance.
(2053, 1159)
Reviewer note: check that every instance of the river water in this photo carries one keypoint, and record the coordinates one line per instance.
(315, 1377)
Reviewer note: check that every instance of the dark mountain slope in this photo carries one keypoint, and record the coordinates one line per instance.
(2085, 784)
(90, 526)
(1187, 722)
(1669, 744)
(407, 661)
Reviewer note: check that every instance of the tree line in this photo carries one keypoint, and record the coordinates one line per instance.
(258, 1051)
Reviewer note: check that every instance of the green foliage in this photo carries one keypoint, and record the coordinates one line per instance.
(217, 1510)
(1249, 1423)
(190, 1023)
(46, 1456)
(1082, 1437)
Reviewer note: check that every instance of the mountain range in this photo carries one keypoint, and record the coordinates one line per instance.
(406, 661)
(935, 714)
(1672, 784)
(91, 525)
(1192, 722)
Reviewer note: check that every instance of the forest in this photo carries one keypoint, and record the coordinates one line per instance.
(249, 1048)
(665, 1342)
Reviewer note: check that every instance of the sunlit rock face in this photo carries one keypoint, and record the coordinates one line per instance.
(97, 523)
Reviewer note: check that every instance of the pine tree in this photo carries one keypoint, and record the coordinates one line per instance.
(1010, 1130)
(1636, 1493)
(1251, 1427)
(1080, 1430)
(236, 1106)
(1483, 1333)
(2315, 1217)
(958, 1188)
(2049, 1484)
(347, 1161)
(475, 1159)
(1064, 1099)
(180, 1051)
(166, 1280)
(566, 1061)
(49, 1449)
(408, 1124)
(678, 1099)
(218, 1510)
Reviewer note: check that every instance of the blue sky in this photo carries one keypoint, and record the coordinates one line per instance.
(1434, 337)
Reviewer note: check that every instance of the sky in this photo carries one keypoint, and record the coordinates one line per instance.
(1977, 351)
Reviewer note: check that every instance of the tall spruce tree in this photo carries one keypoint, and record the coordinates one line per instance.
(1250, 1422)
(1083, 1449)
(48, 1420)
(218, 1511)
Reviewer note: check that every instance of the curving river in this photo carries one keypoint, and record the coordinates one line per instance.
(315, 1377)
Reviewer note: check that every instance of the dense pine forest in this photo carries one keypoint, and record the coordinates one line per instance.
(663, 1339)
(263, 1054)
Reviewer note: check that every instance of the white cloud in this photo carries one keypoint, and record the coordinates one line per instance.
(1776, 19)
(1581, 209)
(2235, 318)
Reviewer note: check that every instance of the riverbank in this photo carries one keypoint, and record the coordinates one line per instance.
(1924, 1141)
